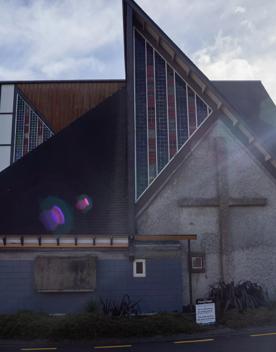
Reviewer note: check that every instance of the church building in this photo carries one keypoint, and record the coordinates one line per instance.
(155, 186)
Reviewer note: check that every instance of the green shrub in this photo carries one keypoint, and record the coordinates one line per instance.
(89, 326)
(91, 307)
(243, 296)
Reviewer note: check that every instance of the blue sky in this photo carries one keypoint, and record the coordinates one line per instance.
(83, 39)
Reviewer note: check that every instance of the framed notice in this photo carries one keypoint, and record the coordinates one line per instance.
(65, 273)
(205, 312)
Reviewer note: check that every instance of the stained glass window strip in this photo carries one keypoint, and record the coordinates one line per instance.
(33, 131)
(47, 133)
(39, 137)
(19, 136)
(192, 111)
(171, 111)
(161, 112)
(201, 110)
(141, 114)
(26, 130)
(182, 112)
(151, 114)
(167, 112)
(30, 130)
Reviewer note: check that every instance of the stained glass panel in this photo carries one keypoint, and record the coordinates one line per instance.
(30, 130)
(26, 130)
(151, 114)
(141, 115)
(171, 111)
(19, 128)
(161, 112)
(33, 131)
(201, 110)
(181, 107)
(167, 112)
(192, 111)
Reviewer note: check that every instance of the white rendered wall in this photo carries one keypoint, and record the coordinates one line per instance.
(6, 118)
(250, 247)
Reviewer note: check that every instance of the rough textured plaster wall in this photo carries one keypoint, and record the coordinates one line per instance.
(252, 230)
(251, 248)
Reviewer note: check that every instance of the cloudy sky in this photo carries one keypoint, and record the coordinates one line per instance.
(83, 39)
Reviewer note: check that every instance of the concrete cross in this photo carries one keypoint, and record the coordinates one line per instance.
(223, 201)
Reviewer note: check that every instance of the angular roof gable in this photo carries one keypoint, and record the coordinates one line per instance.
(88, 157)
(61, 102)
(223, 105)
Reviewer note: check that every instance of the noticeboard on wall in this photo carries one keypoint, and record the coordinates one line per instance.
(65, 273)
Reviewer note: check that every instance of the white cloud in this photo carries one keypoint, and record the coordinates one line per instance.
(224, 60)
(240, 9)
(54, 39)
(227, 40)
(42, 39)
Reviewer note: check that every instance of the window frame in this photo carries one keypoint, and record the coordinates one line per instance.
(139, 275)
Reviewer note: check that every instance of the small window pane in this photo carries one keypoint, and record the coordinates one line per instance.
(139, 268)
(5, 129)
(5, 155)
(6, 99)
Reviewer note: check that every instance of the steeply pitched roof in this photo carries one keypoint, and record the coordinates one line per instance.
(256, 108)
(61, 102)
(88, 157)
(222, 104)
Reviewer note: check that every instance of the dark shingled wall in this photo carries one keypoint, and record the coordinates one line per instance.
(87, 157)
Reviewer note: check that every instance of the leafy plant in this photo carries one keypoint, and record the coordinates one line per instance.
(242, 296)
(124, 308)
(91, 307)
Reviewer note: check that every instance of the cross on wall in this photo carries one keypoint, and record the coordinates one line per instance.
(223, 201)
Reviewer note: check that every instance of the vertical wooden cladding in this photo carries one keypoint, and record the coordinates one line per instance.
(63, 102)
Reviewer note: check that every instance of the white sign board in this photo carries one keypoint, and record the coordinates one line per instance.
(205, 313)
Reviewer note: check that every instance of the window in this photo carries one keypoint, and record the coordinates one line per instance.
(167, 112)
(139, 268)
(30, 130)
(5, 155)
(6, 98)
(5, 128)
(198, 262)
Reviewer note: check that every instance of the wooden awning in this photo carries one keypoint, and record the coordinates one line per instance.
(165, 237)
(63, 241)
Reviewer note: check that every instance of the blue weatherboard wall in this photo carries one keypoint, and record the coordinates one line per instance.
(161, 290)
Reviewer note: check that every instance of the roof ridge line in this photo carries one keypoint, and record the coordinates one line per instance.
(63, 81)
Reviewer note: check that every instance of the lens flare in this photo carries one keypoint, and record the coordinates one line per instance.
(52, 218)
(56, 215)
(83, 203)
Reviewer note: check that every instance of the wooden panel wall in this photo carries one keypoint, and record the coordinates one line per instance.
(62, 102)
